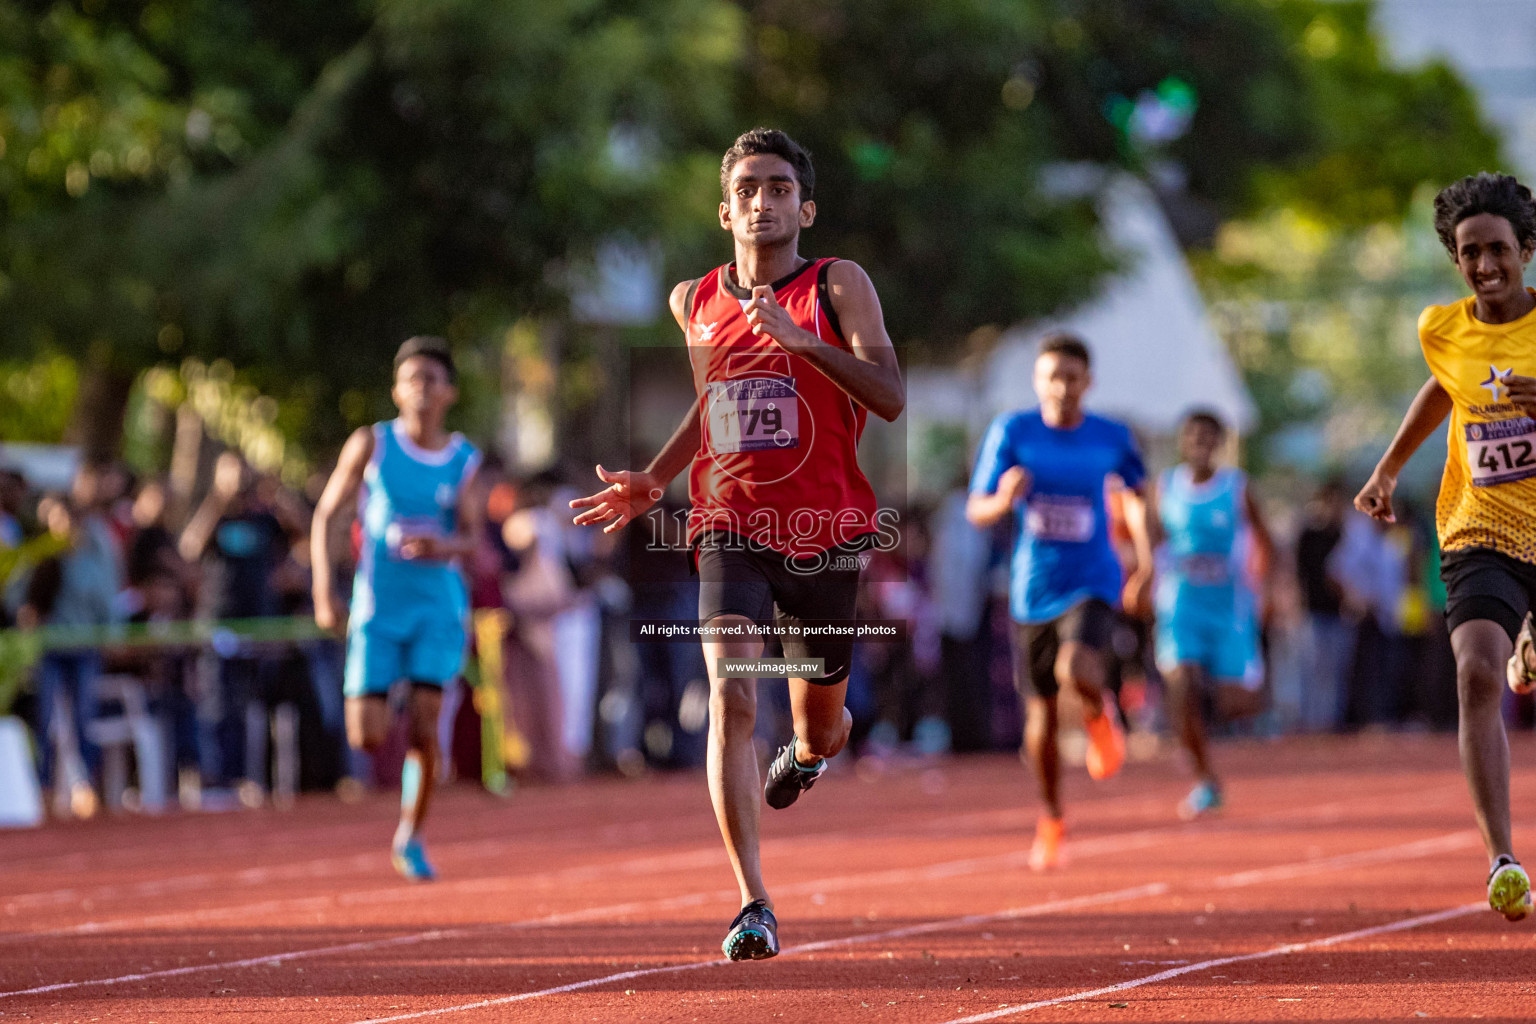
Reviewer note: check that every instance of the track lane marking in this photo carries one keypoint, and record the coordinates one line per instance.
(320, 867)
(1034, 910)
(943, 869)
(682, 859)
(1107, 843)
(1417, 848)
(1205, 965)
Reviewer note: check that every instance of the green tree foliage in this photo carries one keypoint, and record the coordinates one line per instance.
(1295, 103)
(928, 148)
(295, 187)
(931, 125)
(349, 174)
(1319, 276)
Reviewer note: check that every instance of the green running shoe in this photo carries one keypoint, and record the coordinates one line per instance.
(1509, 889)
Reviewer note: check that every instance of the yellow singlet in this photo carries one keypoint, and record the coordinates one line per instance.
(1488, 493)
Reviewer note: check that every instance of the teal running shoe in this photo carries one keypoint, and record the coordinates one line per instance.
(754, 935)
(1202, 800)
(411, 861)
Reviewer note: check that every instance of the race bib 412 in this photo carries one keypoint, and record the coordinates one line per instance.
(1502, 451)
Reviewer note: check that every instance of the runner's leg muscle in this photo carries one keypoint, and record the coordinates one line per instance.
(822, 723)
(1041, 752)
(735, 787)
(1482, 648)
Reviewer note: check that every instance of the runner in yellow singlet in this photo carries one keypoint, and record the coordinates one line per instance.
(1481, 353)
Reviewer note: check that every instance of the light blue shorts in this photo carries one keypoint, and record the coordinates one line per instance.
(1227, 648)
(379, 655)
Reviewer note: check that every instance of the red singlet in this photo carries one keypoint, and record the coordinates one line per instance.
(778, 463)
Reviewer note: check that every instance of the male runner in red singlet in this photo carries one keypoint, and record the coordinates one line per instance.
(787, 355)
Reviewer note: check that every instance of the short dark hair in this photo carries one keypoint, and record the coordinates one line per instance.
(1497, 194)
(432, 348)
(770, 141)
(1207, 417)
(1065, 344)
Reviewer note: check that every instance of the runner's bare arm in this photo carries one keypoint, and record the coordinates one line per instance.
(340, 492)
(1263, 540)
(1138, 523)
(1429, 409)
(983, 510)
(1136, 595)
(228, 478)
(630, 494)
(868, 371)
(1153, 522)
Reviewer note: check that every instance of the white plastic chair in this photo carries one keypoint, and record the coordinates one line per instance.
(135, 727)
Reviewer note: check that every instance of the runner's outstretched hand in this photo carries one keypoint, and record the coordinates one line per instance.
(627, 495)
(1375, 498)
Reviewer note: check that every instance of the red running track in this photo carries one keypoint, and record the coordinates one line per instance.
(1343, 882)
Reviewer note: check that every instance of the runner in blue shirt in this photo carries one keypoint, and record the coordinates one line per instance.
(1050, 467)
(1207, 614)
(409, 599)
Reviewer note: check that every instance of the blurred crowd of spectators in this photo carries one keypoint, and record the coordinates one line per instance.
(1354, 636)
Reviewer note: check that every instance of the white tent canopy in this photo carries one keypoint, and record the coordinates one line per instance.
(1155, 354)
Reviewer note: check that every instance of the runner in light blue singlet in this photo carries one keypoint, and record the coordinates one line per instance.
(408, 614)
(1204, 612)
(1207, 635)
(409, 481)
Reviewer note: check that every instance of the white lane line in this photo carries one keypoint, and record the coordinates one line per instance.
(1418, 848)
(1081, 848)
(697, 857)
(948, 869)
(616, 836)
(256, 961)
(322, 867)
(1034, 910)
(462, 849)
(1205, 965)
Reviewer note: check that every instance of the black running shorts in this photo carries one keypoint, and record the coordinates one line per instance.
(737, 577)
(1035, 645)
(1481, 583)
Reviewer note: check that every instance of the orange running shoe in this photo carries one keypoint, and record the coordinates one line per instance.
(1106, 746)
(1046, 853)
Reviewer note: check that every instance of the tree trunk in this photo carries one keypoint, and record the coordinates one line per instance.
(100, 410)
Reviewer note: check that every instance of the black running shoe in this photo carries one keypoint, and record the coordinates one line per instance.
(787, 779)
(754, 935)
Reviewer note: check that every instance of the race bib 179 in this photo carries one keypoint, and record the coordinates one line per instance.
(1059, 518)
(1502, 451)
(753, 414)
